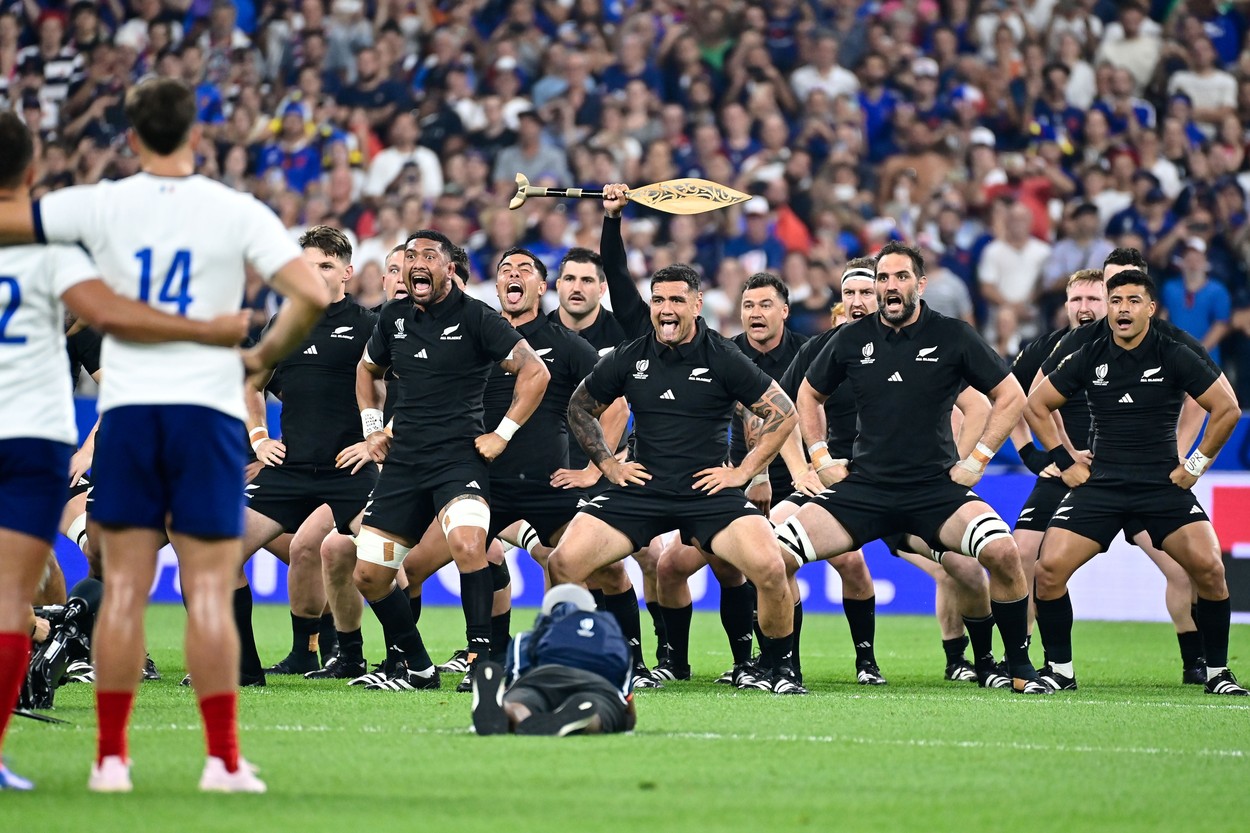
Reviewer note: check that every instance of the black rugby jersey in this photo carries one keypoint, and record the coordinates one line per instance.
(1134, 398)
(317, 384)
(1075, 411)
(83, 348)
(442, 356)
(541, 445)
(840, 411)
(775, 363)
(682, 398)
(905, 384)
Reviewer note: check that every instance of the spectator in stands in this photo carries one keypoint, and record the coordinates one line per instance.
(1212, 91)
(1133, 43)
(405, 137)
(289, 157)
(1082, 246)
(1010, 275)
(1196, 304)
(824, 73)
(756, 248)
(532, 155)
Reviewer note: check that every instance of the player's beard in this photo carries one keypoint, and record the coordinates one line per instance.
(910, 301)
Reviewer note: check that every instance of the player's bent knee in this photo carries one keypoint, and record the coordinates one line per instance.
(467, 512)
(795, 543)
(987, 538)
(376, 549)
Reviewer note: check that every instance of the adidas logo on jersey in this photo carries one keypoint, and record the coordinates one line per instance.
(342, 332)
(311, 351)
(447, 334)
(472, 484)
(605, 351)
(1126, 400)
(1197, 510)
(668, 394)
(420, 355)
(895, 377)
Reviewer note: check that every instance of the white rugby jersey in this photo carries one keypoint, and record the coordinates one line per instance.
(179, 245)
(36, 395)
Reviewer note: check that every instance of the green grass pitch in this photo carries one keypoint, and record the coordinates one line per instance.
(1133, 750)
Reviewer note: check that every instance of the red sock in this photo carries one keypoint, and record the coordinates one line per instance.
(113, 712)
(221, 727)
(14, 657)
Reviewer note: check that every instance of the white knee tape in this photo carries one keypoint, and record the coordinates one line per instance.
(77, 531)
(375, 549)
(466, 512)
(794, 541)
(980, 531)
(527, 537)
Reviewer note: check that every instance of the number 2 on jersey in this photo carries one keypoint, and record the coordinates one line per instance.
(10, 309)
(177, 279)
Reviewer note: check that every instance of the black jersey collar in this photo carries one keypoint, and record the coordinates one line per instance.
(445, 307)
(336, 308)
(1152, 335)
(749, 349)
(530, 327)
(681, 351)
(912, 330)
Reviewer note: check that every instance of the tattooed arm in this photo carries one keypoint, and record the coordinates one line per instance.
(584, 413)
(775, 422)
(531, 383)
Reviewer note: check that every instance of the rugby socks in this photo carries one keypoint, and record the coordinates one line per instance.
(677, 632)
(112, 714)
(414, 604)
(624, 607)
(861, 616)
(399, 631)
(736, 616)
(776, 653)
(1191, 648)
(351, 645)
(305, 637)
(657, 627)
(798, 630)
(981, 637)
(249, 659)
(1213, 620)
(600, 598)
(221, 727)
(327, 637)
(500, 633)
(477, 593)
(954, 648)
(1054, 623)
(14, 659)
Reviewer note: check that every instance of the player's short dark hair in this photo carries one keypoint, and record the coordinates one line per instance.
(521, 250)
(1127, 256)
(17, 150)
(894, 247)
(1133, 277)
(767, 279)
(1084, 276)
(460, 259)
(444, 242)
(162, 111)
(329, 240)
(679, 273)
(579, 254)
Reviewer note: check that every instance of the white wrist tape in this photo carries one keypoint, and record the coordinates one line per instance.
(507, 428)
(258, 435)
(972, 464)
(256, 443)
(371, 421)
(759, 480)
(1197, 463)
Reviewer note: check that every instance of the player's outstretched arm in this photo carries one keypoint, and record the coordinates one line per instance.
(306, 296)
(94, 302)
(627, 304)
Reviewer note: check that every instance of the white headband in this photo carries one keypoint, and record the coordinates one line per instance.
(859, 274)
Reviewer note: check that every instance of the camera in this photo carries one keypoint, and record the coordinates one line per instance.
(67, 643)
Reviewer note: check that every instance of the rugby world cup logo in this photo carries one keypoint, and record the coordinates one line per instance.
(866, 352)
(1101, 373)
(640, 368)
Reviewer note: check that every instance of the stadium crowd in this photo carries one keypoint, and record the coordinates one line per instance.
(1013, 141)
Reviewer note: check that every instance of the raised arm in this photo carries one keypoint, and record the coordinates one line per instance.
(627, 304)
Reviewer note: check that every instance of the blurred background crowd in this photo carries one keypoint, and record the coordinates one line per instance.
(1013, 141)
